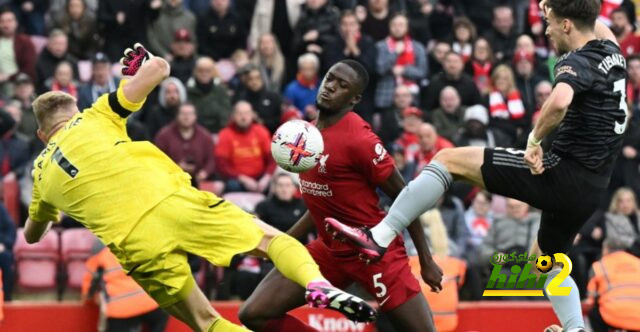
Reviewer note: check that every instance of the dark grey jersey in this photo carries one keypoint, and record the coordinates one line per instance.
(591, 132)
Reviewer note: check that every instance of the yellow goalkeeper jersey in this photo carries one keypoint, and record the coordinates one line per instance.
(93, 172)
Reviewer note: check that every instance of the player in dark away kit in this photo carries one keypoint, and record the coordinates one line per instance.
(587, 104)
(343, 184)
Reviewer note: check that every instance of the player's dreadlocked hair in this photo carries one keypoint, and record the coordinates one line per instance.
(583, 13)
(359, 69)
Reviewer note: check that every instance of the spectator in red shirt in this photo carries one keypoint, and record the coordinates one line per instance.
(391, 118)
(430, 143)
(535, 18)
(411, 121)
(540, 65)
(526, 79)
(606, 9)
(480, 64)
(633, 83)
(622, 28)
(62, 80)
(243, 152)
(189, 144)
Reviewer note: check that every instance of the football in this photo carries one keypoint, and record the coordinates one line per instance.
(296, 146)
(544, 263)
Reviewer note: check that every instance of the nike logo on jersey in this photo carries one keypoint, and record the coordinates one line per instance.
(385, 300)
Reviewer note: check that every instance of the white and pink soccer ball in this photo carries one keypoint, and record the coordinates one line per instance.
(296, 146)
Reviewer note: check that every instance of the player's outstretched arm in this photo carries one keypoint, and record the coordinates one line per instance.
(150, 74)
(430, 271)
(34, 231)
(41, 214)
(552, 113)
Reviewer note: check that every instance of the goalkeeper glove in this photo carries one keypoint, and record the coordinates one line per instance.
(134, 59)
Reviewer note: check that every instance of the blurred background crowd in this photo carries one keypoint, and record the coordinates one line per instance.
(443, 73)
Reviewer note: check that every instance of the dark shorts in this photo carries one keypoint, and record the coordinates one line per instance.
(566, 192)
(390, 280)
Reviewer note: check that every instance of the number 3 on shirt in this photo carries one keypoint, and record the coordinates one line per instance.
(381, 289)
(620, 86)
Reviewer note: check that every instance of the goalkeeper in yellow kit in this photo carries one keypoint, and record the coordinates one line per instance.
(142, 206)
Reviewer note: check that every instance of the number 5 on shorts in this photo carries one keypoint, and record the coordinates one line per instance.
(379, 285)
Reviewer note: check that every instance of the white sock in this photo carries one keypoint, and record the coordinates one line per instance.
(383, 234)
(567, 308)
(418, 197)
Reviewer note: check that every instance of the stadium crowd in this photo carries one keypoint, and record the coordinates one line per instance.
(444, 73)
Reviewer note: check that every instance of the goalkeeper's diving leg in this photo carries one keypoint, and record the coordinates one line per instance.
(294, 262)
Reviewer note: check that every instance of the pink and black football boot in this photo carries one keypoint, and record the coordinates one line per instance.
(322, 294)
(359, 239)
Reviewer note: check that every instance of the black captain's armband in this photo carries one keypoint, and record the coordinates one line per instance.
(116, 107)
(64, 163)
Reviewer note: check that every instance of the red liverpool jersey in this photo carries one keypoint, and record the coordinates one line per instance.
(343, 184)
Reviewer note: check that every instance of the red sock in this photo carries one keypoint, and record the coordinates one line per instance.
(287, 323)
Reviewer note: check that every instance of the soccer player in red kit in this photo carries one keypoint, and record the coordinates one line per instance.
(343, 185)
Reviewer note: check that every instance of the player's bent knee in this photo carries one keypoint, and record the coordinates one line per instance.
(454, 159)
(462, 163)
(448, 157)
(445, 156)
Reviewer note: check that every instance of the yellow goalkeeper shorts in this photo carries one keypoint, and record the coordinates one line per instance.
(189, 221)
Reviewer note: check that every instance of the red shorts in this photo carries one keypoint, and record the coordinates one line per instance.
(390, 280)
